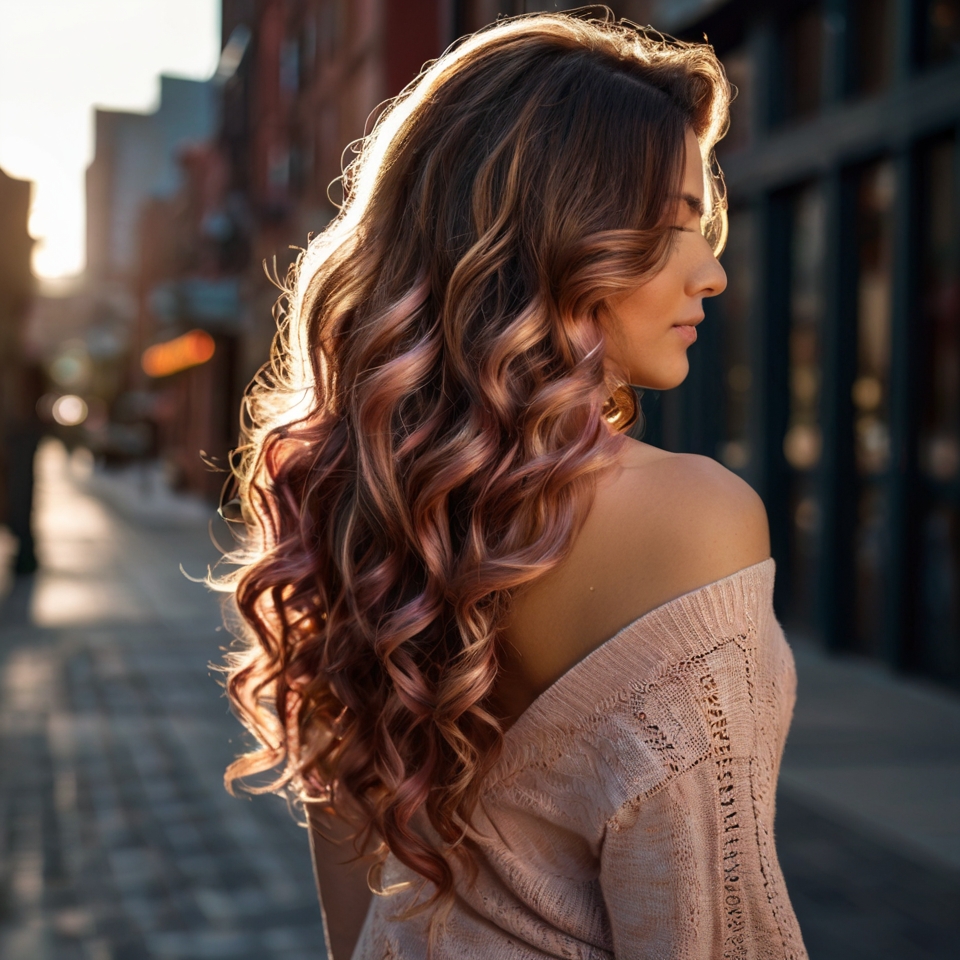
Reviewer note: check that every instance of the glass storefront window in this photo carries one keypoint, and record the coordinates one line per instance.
(802, 443)
(872, 46)
(736, 303)
(941, 32)
(875, 260)
(802, 63)
(739, 66)
(939, 439)
(871, 395)
(940, 434)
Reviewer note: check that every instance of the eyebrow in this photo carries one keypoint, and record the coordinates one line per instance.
(694, 203)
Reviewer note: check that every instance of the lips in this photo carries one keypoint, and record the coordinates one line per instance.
(686, 330)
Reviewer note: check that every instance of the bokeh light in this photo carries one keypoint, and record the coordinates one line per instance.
(70, 410)
(190, 350)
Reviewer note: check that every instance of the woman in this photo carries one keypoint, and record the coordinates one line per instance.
(528, 664)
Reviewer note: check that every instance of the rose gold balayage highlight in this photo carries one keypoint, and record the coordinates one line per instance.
(426, 438)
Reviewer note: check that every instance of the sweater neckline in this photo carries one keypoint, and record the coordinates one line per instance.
(541, 703)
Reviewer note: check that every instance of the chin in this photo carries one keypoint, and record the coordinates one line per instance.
(663, 379)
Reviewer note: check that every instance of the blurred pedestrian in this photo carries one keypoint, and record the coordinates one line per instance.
(527, 663)
(20, 433)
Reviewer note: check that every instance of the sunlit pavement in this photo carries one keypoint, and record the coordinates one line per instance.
(117, 839)
(868, 813)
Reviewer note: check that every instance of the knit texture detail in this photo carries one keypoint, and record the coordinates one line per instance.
(630, 814)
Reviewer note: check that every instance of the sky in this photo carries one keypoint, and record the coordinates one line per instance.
(59, 59)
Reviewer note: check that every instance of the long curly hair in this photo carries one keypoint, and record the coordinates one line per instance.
(426, 438)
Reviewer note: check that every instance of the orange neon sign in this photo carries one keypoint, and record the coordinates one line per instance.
(190, 350)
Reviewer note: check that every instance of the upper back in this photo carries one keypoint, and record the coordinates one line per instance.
(661, 525)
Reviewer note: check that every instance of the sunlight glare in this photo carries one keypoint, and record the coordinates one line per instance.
(60, 58)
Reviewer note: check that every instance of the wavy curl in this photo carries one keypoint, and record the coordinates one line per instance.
(426, 438)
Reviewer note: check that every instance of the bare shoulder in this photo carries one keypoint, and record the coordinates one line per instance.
(660, 525)
(700, 520)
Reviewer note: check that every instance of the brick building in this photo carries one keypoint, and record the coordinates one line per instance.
(299, 79)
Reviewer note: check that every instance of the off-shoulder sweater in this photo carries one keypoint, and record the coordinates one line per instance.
(630, 814)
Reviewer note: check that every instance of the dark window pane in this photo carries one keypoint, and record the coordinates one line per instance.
(940, 435)
(871, 396)
(736, 304)
(940, 425)
(802, 443)
(739, 66)
(875, 252)
(802, 63)
(941, 31)
(871, 45)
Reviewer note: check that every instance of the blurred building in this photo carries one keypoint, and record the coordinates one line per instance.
(16, 277)
(836, 347)
(135, 159)
(161, 263)
(191, 255)
(19, 377)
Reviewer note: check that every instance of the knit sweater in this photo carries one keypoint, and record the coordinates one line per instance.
(630, 814)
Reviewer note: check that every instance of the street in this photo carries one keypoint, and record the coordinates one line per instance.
(118, 841)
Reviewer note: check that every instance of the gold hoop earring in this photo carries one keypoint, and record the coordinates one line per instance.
(622, 408)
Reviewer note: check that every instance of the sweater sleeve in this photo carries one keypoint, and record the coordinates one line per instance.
(688, 868)
(660, 877)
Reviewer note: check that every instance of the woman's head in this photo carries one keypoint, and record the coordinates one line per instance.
(426, 439)
(541, 161)
(649, 328)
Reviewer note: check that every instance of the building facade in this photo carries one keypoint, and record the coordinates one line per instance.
(16, 245)
(135, 159)
(835, 351)
(142, 244)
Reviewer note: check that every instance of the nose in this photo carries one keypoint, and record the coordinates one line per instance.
(716, 277)
(708, 278)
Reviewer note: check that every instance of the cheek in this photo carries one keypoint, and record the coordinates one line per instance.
(641, 335)
(646, 312)
(666, 289)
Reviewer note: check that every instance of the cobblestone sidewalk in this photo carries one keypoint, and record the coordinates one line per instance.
(117, 839)
(868, 812)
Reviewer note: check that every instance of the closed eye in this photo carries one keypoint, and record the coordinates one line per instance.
(694, 208)
(694, 203)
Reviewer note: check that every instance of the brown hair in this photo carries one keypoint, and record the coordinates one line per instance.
(426, 439)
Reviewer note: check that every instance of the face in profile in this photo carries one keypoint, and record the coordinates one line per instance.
(649, 329)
